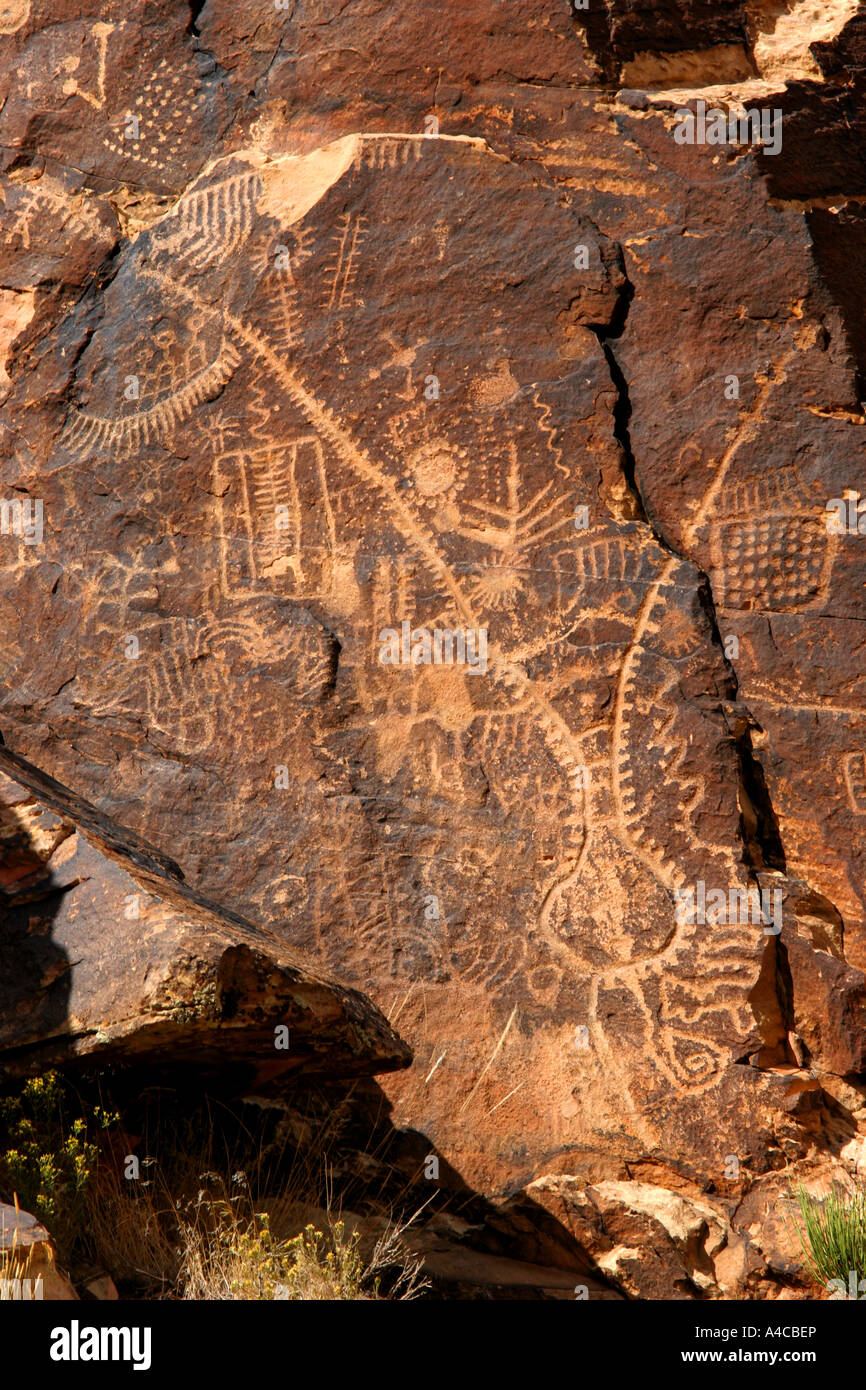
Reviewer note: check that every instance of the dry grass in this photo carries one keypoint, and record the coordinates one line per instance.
(229, 1251)
(220, 1244)
(240, 1259)
(130, 1231)
(14, 1270)
(240, 1203)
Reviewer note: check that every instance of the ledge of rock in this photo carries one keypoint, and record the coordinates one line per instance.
(106, 955)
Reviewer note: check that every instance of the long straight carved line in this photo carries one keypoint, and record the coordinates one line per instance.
(356, 458)
(490, 1060)
(744, 432)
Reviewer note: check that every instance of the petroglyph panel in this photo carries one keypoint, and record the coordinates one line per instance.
(355, 393)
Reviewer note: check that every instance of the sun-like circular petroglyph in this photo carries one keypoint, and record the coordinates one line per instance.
(433, 468)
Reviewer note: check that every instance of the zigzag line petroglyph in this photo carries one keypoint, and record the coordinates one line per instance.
(544, 415)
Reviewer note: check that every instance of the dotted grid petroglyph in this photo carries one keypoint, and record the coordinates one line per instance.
(769, 548)
(598, 782)
(164, 114)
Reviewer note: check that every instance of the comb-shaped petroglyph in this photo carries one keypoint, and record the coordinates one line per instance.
(340, 274)
(88, 433)
(210, 224)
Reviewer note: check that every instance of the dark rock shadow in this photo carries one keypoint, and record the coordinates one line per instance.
(34, 969)
(333, 1147)
(822, 165)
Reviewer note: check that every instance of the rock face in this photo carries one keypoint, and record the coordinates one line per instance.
(433, 552)
(409, 440)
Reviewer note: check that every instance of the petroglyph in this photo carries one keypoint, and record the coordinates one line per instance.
(160, 120)
(341, 273)
(332, 494)
(100, 34)
(855, 781)
(87, 433)
(27, 206)
(208, 225)
(770, 549)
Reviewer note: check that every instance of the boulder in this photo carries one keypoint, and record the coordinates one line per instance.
(649, 1241)
(28, 1270)
(109, 957)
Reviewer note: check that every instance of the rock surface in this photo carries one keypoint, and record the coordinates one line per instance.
(28, 1271)
(285, 381)
(503, 836)
(106, 955)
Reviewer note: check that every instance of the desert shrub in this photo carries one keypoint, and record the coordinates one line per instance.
(218, 1209)
(833, 1235)
(47, 1156)
(240, 1259)
(226, 1254)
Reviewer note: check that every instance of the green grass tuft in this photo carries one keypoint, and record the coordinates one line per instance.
(833, 1235)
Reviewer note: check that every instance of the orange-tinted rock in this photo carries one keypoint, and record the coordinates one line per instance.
(371, 403)
(28, 1269)
(552, 376)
